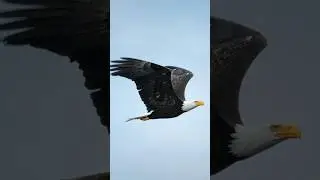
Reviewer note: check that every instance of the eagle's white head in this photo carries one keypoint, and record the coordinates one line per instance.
(188, 105)
(250, 141)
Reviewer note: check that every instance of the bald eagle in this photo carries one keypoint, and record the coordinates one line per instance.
(233, 48)
(161, 88)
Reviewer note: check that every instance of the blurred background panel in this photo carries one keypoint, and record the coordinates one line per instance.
(281, 85)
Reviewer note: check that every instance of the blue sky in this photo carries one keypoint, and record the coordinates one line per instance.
(166, 32)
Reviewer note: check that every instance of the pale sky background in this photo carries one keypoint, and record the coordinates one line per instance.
(282, 85)
(168, 33)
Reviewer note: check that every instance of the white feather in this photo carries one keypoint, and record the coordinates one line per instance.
(142, 116)
(188, 105)
(250, 141)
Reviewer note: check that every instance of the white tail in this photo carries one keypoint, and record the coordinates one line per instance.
(143, 117)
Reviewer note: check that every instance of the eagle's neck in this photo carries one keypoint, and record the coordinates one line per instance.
(247, 141)
(188, 105)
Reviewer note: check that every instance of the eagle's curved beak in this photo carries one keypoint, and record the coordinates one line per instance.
(287, 131)
(199, 103)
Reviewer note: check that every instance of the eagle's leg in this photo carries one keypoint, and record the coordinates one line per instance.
(142, 118)
(145, 118)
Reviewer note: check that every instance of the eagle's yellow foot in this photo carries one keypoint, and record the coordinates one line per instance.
(144, 118)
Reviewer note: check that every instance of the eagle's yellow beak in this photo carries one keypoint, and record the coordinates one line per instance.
(286, 131)
(199, 103)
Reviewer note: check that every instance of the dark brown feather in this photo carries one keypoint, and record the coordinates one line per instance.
(78, 29)
(153, 82)
(233, 49)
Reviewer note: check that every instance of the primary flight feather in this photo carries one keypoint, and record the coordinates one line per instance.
(78, 29)
(161, 88)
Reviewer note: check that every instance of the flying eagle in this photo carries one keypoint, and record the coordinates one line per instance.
(77, 29)
(161, 88)
(233, 48)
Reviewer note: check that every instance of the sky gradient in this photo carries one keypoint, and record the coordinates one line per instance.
(168, 33)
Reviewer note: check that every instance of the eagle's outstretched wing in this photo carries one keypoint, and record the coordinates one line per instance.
(153, 82)
(233, 49)
(179, 80)
(78, 29)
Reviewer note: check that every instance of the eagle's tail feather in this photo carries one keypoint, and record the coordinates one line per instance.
(142, 118)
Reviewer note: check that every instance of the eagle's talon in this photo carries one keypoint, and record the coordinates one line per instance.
(144, 118)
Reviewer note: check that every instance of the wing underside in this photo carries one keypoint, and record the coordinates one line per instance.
(179, 80)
